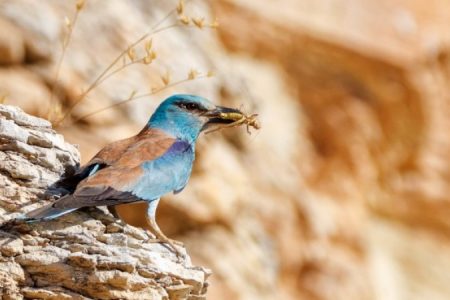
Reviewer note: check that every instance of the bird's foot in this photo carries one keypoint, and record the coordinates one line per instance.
(156, 240)
(170, 244)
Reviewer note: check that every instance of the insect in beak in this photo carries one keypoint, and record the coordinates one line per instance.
(230, 117)
(219, 115)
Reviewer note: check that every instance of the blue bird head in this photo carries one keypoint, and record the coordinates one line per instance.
(185, 116)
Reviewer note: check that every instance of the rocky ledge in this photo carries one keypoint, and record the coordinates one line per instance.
(86, 254)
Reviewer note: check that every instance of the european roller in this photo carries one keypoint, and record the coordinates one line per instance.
(156, 161)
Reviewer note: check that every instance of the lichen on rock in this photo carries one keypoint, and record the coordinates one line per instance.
(83, 255)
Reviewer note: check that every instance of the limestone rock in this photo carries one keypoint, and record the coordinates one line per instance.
(372, 81)
(343, 193)
(18, 84)
(12, 46)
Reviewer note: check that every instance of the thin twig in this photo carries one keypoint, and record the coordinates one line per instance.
(134, 97)
(120, 69)
(153, 31)
(65, 44)
(137, 61)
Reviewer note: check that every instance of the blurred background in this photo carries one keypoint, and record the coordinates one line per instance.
(345, 191)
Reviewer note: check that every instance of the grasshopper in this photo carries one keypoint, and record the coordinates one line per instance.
(239, 119)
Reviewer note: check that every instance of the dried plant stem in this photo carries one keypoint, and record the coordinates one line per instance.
(100, 78)
(3, 98)
(119, 69)
(105, 75)
(157, 90)
(65, 44)
(136, 97)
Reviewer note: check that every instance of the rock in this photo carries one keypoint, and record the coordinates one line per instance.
(374, 99)
(82, 260)
(16, 115)
(73, 257)
(10, 246)
(18, 84)
(53, 293)
(9, 130)
(25, 160)
(349, 169)
(12, 45)
(179, 292)
(38, 37)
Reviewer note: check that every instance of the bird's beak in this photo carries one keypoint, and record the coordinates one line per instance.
(220, 115)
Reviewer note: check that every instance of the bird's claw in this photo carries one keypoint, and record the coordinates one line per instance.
(171, 245)
(178, 243)
(156, 240)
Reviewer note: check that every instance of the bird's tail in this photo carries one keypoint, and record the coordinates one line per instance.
(45, 213)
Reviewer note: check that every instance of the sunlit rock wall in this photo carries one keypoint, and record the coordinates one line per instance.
(343, 193)
(372, 78)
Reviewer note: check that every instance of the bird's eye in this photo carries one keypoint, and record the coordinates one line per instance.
(189, 106)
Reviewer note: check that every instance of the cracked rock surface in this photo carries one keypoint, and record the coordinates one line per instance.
(84, 255)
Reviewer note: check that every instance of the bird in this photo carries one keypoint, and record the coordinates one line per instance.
(156, 161)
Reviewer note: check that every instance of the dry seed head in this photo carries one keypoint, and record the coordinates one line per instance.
(3, 98)
(192, 74)
(199, 22)
(55, 113)
(80, 4)
(185, 20)
(166, 78)
(58, 109)
(132, 94)
(180, 7)
(147, 60)
(131, 54)
(67, 22)
(214, 24)
(148, 45)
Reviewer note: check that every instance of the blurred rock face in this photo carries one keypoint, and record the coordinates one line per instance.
(372, 78)
(343, 194)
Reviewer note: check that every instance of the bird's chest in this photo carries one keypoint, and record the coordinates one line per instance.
(168, 173)
(177, 166)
